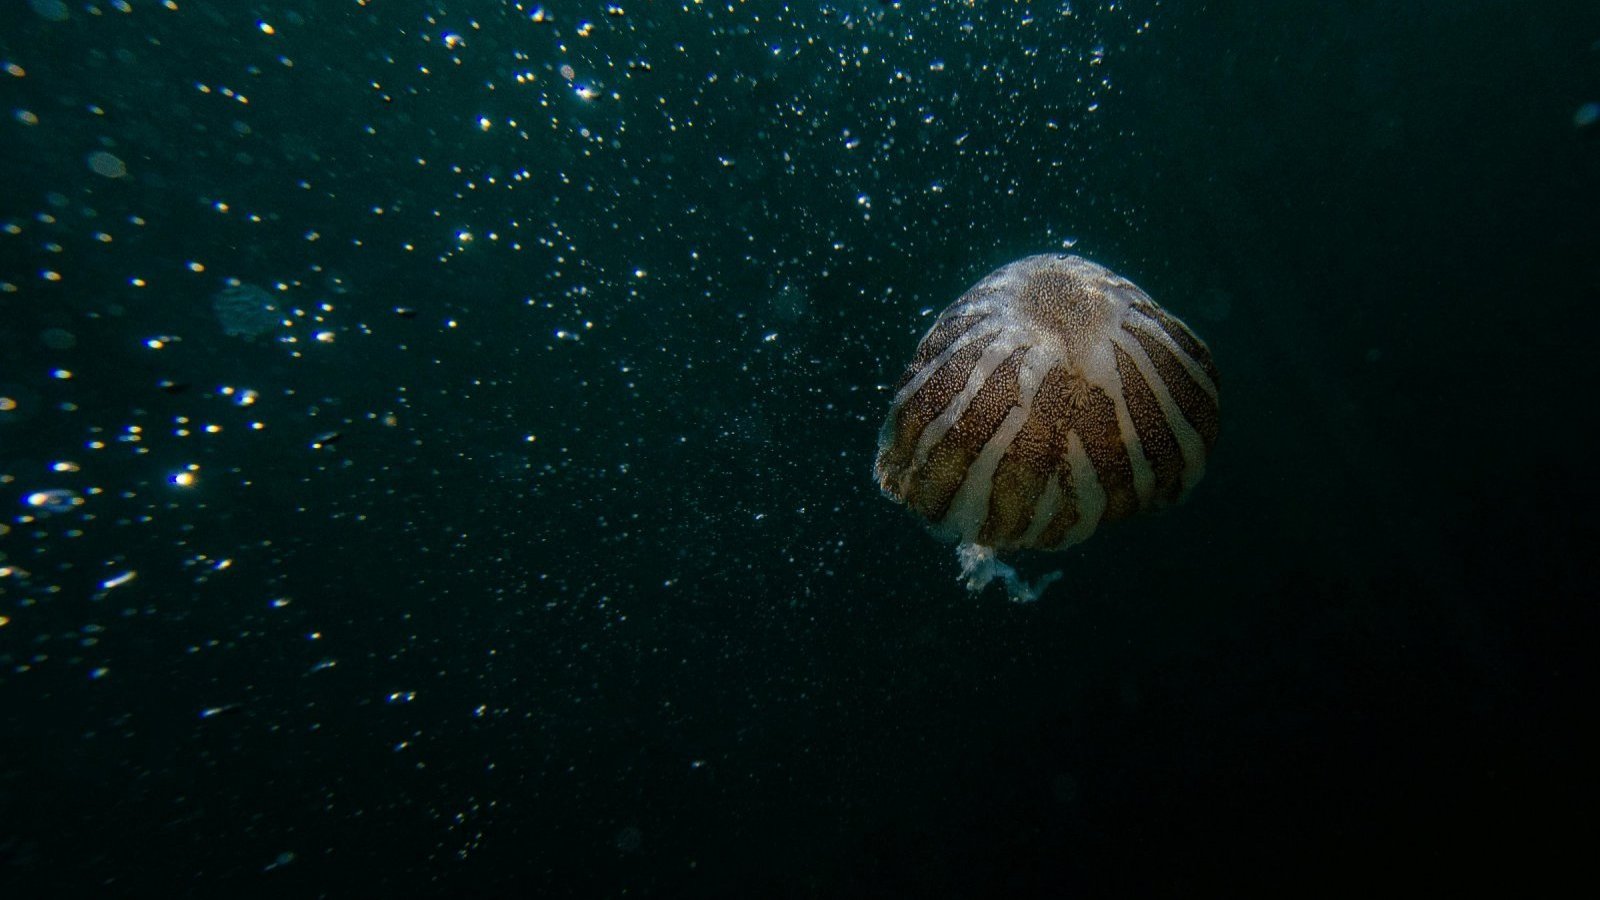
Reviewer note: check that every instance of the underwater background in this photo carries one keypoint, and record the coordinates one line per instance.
(436, 445)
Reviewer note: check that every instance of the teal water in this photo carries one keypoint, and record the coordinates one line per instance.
(535, 547)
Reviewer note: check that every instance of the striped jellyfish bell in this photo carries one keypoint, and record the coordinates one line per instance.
(1052, 396)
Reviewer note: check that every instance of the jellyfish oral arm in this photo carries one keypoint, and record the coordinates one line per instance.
(979, 566)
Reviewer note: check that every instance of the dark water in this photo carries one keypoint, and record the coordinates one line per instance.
(532, 548)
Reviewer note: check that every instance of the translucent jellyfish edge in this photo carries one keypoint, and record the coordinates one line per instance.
(979, 566)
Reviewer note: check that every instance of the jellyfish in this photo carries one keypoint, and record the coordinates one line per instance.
(247, 311)
(1052, 396)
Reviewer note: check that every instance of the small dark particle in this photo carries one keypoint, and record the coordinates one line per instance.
(405, 312)
(172, 387)
(326, 440)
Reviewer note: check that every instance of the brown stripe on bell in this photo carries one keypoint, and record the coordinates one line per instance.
(1052, 396)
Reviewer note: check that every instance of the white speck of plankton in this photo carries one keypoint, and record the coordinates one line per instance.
(119, 580)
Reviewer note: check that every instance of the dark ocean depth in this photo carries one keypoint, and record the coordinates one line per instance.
(437, 440)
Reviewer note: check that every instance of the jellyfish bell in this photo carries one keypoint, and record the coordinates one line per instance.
(1052, 396)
